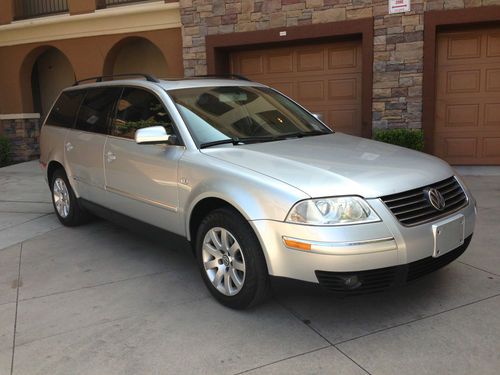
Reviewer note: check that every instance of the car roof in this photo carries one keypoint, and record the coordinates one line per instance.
(170, 84)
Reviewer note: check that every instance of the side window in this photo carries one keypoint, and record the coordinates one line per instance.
(138, 109)
(96, 109)
(64, 111)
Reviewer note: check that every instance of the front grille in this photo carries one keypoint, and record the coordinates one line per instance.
(385, 278)
(412, 208)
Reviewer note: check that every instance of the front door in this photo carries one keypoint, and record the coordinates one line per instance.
(141, 180)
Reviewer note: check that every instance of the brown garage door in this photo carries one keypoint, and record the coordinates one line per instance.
(467, 123)
(324, 78)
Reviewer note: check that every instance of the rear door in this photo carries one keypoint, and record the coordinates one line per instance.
(84, 144)
(141, 180)
(60, 119)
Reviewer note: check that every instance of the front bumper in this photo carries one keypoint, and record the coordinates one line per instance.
(352, 248)
(385, 278)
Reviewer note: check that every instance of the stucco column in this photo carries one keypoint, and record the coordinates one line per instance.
(82, 6)
(6, 12)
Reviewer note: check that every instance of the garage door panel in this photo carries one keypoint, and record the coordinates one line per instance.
(310, 90)
(491, 147)
(492, 114)
(342, 58)
(310, 60)
(493, 45)
(344, 89)
(462, 115)
(493, 80)
(324, 78)
(467, 116)
(464, 46)
(345, 120)
(463, 81)
(250, 64)
(281, 62)
(460, 147)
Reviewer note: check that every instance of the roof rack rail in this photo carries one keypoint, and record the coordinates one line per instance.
(229, 75)
(148, 77)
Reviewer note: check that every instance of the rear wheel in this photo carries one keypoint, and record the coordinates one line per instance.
(66, 206)
(231, 261)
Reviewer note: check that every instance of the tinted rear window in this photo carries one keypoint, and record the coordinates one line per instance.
(64, 111)
(96, 108)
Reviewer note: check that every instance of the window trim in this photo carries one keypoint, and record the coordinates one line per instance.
(195, 140)
(77, 111)
(108, 117)
(113, 117)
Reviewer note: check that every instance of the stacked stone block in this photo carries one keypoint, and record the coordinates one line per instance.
(24, 135)
(398, 41)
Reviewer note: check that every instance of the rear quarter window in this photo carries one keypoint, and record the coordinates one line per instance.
(64, 111)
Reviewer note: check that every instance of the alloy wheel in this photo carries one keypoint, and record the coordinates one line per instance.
(61, 197)
(223, 261)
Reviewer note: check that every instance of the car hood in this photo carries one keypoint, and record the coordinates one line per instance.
(337, 164)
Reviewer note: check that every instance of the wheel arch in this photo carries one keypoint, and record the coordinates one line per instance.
(202, 208)
(207, 204)
(51, 168)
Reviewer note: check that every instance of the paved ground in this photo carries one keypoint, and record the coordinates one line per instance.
(100, 299)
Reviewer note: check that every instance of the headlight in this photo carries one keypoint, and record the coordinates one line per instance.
(332, 211)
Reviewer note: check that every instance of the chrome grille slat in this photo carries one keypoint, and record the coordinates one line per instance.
(458, 193)
(455, 201)
(404, 197)
(427, 212)
(412, 208)
(403, 214)
(453, 188)
(443, 184)
(408, 204)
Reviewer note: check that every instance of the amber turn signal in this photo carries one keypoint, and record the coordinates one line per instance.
(293, 244)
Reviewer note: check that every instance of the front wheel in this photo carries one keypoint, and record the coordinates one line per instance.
(231, 261)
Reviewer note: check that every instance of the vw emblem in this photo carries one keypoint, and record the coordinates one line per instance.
(435, 198)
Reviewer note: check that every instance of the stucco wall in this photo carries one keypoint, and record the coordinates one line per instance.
(88, 57)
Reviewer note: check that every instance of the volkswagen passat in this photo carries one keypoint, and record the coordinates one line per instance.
(256, 183)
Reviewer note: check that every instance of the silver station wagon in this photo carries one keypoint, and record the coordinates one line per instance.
(256, 183)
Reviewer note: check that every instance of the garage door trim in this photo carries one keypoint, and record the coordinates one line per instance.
(220, 46)
(435, 21)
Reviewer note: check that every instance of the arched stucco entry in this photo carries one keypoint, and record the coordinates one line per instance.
(44, 73)
(135, 55)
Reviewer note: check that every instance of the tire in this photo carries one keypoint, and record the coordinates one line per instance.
(65, 203)
(235, 270)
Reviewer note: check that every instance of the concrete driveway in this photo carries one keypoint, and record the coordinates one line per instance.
(100, 299)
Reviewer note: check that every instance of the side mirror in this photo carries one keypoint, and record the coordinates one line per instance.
(153, 135)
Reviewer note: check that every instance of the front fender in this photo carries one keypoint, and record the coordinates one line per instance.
(255, 196)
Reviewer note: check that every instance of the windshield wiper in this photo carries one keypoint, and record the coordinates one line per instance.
(234, 141)
(305, 134)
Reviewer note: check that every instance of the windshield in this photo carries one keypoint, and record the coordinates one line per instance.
(217, 114)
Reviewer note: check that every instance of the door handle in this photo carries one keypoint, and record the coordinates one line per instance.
(69, 146)
(110, 156)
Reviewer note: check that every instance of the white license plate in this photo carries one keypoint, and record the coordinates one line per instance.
(448, 235)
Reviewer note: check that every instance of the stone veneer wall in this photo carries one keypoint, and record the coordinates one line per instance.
(398, 41)
(24, 135)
